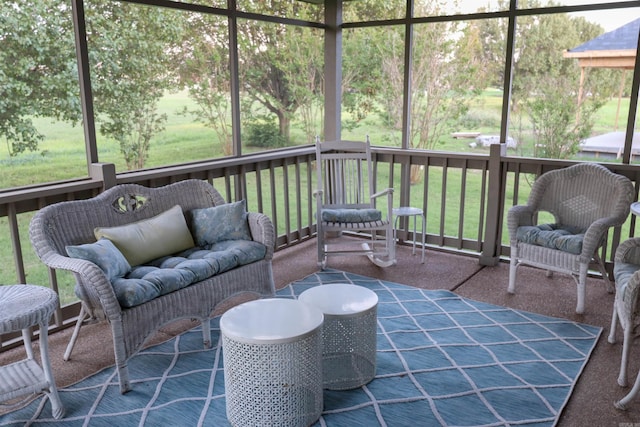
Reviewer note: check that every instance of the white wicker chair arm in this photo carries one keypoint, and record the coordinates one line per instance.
(630, 295)
(628, 252)
(519, 215)
(262, 231)
(593, 237)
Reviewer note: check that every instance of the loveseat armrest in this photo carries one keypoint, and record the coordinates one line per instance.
(262, 231)
(96, 291)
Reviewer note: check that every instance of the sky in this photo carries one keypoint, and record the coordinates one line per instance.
(612, 19)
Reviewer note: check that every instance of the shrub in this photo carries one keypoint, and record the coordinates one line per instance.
(264, 133)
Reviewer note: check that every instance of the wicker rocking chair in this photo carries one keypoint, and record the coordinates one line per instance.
(586, 200)
(345, 202)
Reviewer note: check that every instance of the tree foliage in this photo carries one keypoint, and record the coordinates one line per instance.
(38, 77)
(545, 85)
(279, 70)
(138, 53)
(131, 62)
(204, 72)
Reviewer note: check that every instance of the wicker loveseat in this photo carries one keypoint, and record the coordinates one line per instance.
(144, 257)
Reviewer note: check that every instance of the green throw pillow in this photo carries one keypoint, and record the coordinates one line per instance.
(219, 223)
(142, 241)
(104, 254)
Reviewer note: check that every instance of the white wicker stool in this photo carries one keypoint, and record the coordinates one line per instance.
(348, 333)
(272, 351)
(21, 307)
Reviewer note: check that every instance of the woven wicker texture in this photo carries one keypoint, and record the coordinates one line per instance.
(586, 196)
(21, 307)
(73, 223)
(274, 383)
(345, 180)
(626, 310)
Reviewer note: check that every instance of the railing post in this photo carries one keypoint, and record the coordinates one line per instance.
(105, 172)
(493, 225)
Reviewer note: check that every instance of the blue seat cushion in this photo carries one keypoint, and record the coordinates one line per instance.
(170, 273)
(351, 215)
(564, 238)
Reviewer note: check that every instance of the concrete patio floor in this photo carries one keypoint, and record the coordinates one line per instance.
(591, 403)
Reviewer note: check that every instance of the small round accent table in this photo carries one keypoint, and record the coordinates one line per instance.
(348, 333)
(21, 307)
(272, 350)
(415, 213)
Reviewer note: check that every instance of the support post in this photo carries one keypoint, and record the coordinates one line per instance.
(495, 206)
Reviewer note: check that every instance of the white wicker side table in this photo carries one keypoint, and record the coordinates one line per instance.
(21, 307)
(272, 353)
(348, 333)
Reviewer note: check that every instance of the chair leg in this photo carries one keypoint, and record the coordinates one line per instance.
(82, 316)
(614, 325)
(624, 363)
(322, 257)
(610, 286)
(57, 409)
(581, 285)
(624, 402)
(206, 333)
(513, 267)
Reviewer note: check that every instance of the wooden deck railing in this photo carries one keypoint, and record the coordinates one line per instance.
(464, 197)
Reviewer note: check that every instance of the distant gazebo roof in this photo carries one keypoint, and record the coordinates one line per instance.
(615, 49)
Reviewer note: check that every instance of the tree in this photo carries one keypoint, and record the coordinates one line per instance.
(131, 51)
(38, 75)
(446, 76)
(204, 71)
(545, 85)
(447, 73)
(270, 72)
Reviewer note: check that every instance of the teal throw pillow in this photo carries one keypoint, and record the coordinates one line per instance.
(219, 223)
(104, 254)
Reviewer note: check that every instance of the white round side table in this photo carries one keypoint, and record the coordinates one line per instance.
(21, 307)
(272, 353)
(415, 213)
(348, 334)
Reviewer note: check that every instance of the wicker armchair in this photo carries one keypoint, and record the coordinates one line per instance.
(626, 308)
(586, 200)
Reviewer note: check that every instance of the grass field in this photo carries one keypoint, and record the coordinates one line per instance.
(62, 156)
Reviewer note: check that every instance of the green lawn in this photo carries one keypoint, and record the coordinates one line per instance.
(62, 156)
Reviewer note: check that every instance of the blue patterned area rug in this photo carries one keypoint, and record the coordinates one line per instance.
(442, 360)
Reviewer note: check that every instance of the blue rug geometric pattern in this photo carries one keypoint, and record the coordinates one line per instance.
(442, 360)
